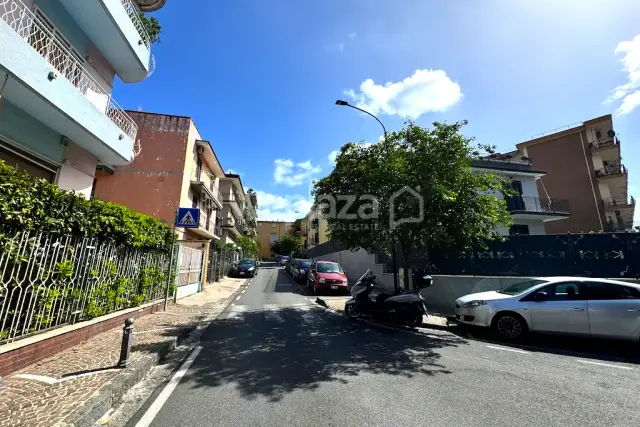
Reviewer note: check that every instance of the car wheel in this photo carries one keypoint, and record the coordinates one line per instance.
(510, 326)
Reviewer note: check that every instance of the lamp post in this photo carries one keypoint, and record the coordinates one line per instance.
(394, 258)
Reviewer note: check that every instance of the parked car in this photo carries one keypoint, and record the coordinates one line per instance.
(560, 305)
(327, 276)
(289, 265)
(283, 260)
(301, 270)
(246, 267)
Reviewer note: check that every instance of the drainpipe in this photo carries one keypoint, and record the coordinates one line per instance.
(593, 189)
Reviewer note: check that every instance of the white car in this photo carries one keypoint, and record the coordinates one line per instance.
(565, 305)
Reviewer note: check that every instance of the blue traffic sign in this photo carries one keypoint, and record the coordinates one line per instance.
(188, 217)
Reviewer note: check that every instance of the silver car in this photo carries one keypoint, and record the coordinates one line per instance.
(564, 305)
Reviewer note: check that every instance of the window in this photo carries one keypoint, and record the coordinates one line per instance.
(563, 291)
(273, 237)
(610, 291)
(57, 50)
(519, 230)
(517, 187)
(22, 161)
(329, 268)
(195, 202)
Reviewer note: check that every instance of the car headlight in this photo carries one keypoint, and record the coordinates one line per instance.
(322, 280)
(476, 303)
(301, 271)
(252, 268)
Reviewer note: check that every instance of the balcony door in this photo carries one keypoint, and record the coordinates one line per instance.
(516, 202)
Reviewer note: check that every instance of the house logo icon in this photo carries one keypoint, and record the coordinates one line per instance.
(393, 223)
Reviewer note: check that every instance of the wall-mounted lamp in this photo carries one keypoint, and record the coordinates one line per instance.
(121, 137)
(52, 76)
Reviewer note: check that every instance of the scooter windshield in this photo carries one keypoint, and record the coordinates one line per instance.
(364, 275)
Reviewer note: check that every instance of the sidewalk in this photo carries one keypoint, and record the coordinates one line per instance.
(76, 386)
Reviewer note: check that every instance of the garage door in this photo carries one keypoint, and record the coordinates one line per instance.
(22, 161)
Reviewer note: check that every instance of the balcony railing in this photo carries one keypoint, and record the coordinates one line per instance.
(611, 170)
(54, 51)
(604, 142)
(618, 225)
(132, 11)
(536, 204)
(619, 203)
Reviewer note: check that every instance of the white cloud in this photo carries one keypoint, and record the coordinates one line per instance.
(425, 91)
(292, 174)
(332, 156)
(273, 207)
(352, 35)
(628, 93)
(341, 47)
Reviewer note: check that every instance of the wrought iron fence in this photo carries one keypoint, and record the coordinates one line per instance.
(49, 280)
(537, 204)
(69, 64)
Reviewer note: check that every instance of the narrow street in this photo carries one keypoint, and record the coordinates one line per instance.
(274, 358)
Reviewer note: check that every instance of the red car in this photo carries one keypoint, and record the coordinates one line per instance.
(327, 276)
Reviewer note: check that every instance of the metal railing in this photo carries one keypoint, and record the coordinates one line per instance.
(53, 50)
(604, 142)
(49, 280)
(610, 170)
(618, 202)
(536, 204)
(133, 13)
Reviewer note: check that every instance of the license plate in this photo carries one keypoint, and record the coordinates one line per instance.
(334, 287)
(242, 273)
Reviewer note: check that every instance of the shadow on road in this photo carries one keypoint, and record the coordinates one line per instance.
(272, 359)
(596, 349)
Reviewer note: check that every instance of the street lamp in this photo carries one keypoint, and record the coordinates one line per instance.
(394, 258)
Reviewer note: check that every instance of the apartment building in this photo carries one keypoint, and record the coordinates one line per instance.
(236, 209)
(530, 212)
(583, 164)
(317, 228)
(175, 168)
(58, 62)
(270, 232)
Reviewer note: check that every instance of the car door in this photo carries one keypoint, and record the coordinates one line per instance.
(614, 310)
(559, 308)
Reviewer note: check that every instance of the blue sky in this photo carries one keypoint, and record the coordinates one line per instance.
(260, 78)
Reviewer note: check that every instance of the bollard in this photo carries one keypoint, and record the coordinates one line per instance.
(125, 348)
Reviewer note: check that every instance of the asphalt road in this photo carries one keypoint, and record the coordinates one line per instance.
(274, 358)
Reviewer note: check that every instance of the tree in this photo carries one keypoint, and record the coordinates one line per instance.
(249, 246)
(286, 245)
(412, 170)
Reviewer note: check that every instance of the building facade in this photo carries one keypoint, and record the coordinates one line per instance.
(583, 164)
(175, 168)
(270, 232)
(529, 211)
(58, 61)
(317, 228)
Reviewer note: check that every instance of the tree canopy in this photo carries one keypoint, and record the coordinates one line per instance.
(415, 189)
(286, 245)
(249, 246)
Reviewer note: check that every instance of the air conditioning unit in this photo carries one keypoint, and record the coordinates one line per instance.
(200, 149)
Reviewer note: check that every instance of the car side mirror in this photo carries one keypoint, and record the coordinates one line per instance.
(540, 296)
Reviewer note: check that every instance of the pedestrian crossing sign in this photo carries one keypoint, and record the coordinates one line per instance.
(188, 217)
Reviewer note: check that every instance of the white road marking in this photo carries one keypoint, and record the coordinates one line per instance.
(39, 378)
(270, 313)
(155, 407)
(604, 364)
(238, 297)
(243, 291)
(508, 349)
(236, 311)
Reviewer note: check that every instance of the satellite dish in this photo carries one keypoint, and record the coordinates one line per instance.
(611, 133)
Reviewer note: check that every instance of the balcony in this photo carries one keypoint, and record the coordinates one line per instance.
(523, 207)
(228, 222)
(206, 227)
(612, 171)
(205, 188)
(49, 82)
(612, 203)
(232, 200)
(116, 30)
(618, 225)
(603, 144)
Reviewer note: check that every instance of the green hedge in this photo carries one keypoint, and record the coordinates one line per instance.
(35, 204)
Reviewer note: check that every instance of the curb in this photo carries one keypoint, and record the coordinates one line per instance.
(110, 395)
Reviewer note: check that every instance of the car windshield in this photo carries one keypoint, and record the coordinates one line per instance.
(306, 263)
(246, 262)
(329, 268)
(520, 287)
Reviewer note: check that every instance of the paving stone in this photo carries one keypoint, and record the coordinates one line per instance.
(25, 403)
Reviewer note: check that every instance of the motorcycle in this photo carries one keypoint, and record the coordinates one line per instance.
(403, 307)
